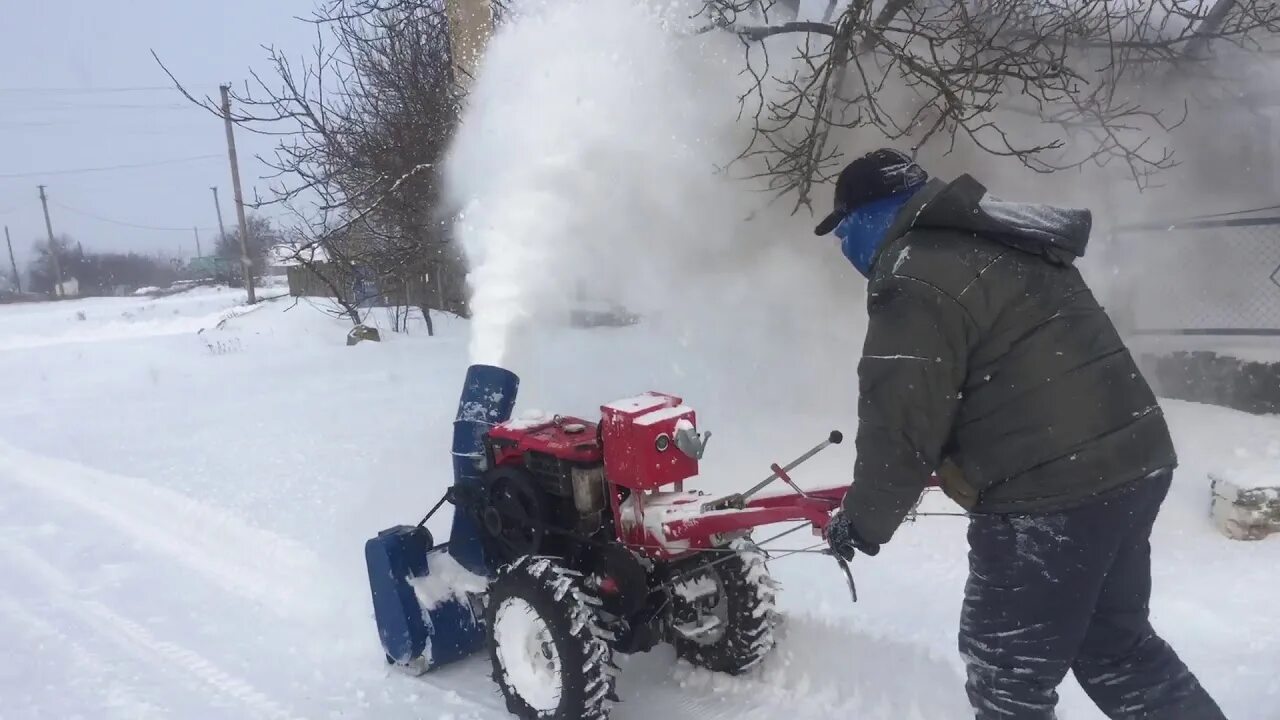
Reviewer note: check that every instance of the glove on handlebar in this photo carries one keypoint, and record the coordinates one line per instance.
(844, 539)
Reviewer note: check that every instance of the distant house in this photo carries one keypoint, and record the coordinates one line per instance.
(594, 308)
(318, 276)
(212, 267)
(281, 257)
(69, 288)
(306, 270)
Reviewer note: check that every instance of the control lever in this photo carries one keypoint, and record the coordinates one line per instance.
(739, 500)
(690, 443)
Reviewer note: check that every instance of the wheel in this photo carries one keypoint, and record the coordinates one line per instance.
(549, 654)
(723, 615)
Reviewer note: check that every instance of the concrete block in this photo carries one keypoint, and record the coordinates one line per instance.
(363, 332)
(1244, 508)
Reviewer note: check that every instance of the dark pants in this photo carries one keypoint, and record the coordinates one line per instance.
(1048, 593)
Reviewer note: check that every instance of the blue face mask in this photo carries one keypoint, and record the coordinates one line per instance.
(863, 231)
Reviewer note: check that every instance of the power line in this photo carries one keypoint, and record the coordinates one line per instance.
(76, 171)
(58, 105)
(186, 129)
(34, 123)
(84, 91)
(113, 221)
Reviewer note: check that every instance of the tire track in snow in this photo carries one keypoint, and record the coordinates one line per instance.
(119, 700)
(258, 565)
(187, 665)
(820, 668)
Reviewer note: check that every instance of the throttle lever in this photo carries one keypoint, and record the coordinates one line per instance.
(848, 575)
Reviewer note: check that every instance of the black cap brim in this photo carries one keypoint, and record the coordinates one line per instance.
(828, 223)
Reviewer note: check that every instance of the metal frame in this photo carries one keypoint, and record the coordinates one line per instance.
(1221, 220)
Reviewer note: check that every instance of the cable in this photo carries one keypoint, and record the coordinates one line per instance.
(189, 130)
(1237, 212)
(62, 105)
(29, 123)
(68, 90)
(76, 171)
(88, 214)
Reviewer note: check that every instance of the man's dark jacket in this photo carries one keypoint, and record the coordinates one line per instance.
(986, 349)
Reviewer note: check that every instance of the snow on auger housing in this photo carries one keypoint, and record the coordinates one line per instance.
(573, 540)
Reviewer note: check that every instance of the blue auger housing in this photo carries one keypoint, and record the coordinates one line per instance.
(432, 622)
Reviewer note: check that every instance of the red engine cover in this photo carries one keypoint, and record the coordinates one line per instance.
(639, 441)
(568, 438)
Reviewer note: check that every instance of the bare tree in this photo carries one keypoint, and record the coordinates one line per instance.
(42, 277)
(1013, 78)
(262, 236)
(362, 122)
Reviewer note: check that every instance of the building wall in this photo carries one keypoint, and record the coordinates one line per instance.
(470, 23)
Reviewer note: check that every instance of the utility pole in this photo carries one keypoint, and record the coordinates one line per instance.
(222, 232)
(1208, 28)
(53, 248)
(17, 279)
(197, 232)
(235, 188)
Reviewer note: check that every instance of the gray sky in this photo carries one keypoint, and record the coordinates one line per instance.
(54, 53)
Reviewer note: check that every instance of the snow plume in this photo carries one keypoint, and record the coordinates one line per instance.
(591, 159)
(567, 106)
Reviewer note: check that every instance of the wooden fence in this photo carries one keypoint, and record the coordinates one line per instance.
(430, 290)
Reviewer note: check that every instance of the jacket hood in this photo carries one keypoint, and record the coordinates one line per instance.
(1059, 235)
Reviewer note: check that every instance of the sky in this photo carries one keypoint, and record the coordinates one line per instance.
(79, 89)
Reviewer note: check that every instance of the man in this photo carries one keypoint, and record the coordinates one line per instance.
(988, 360)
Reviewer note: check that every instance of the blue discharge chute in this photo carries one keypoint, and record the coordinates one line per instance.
(488, 397)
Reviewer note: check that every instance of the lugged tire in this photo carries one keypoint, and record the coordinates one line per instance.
(749, 595)
(569, 612)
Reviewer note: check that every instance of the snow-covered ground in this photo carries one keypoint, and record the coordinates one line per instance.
(183, 508)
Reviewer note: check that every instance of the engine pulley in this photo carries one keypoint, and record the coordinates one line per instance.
(512, 512)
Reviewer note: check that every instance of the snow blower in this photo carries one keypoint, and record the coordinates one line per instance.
(573, 540)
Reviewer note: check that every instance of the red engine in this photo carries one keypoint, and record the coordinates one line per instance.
(577, 476)
(552, 470)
